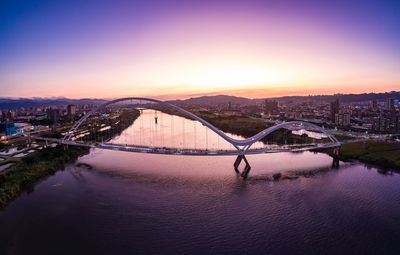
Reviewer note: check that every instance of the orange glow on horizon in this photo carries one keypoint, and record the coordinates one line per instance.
(238, 54)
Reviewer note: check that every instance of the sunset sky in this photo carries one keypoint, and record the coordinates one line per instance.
(177, 49)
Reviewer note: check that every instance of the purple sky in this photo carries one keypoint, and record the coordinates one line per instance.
(182, 48)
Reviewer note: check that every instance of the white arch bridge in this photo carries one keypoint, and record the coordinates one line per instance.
(239, 147)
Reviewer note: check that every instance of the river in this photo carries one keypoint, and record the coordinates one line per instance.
(128, 203)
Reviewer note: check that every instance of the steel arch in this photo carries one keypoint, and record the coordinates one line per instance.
(244, 143)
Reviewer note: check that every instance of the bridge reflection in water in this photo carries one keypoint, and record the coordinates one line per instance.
(88, 130)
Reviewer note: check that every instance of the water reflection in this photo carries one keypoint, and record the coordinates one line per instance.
(129, 203)
(205, 167)
(173, 132)
(154, 128)
(112, 202)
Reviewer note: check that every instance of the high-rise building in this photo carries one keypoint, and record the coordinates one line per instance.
(389, 104)
(346, 119)
(7, 116)
(387, 124)
(334, 110)
(342, 119)
(53, 113)
(373, 105)
(8, 128)
(71, 109)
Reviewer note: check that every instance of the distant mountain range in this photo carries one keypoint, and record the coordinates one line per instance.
(343, 98)
(215, 100)
(14, 103)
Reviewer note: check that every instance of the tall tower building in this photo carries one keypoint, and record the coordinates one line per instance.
(389, 104)
(71, 109)
(334, 109)
(373, 105)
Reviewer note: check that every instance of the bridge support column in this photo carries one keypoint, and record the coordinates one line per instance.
(246, 169)
(335, 163)
(336, 151)
(237, 162)
(335, 156)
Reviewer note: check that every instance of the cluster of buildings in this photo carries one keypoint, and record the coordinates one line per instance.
(8, 127)
(339, 117)
(366, 116)
(378, 117)
(17, 121)
(375, 116)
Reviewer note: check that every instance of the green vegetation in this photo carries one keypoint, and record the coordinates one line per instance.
(3, 146)
(372, 152)
(341, 137)
(240, 125)
(33, 168)
(8, 159)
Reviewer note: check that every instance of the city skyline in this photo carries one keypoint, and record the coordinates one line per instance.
(199, 127)
(180, 49)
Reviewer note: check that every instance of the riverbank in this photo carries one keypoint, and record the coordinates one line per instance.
(33, 168)
(372, 152)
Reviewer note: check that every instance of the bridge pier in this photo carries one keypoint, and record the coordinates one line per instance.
(246, 169)
(335, 163)
(335, 156)
(336, 151)
(237, 162)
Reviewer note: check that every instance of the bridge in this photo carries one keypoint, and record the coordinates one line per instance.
(98, 127)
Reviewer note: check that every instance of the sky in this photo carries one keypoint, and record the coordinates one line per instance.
(178, 49)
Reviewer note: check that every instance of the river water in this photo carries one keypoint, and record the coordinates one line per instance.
(128, 203)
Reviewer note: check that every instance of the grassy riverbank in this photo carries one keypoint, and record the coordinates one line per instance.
(372, 152)
(33, 168)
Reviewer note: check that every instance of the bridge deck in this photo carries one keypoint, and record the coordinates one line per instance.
(193, 152)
